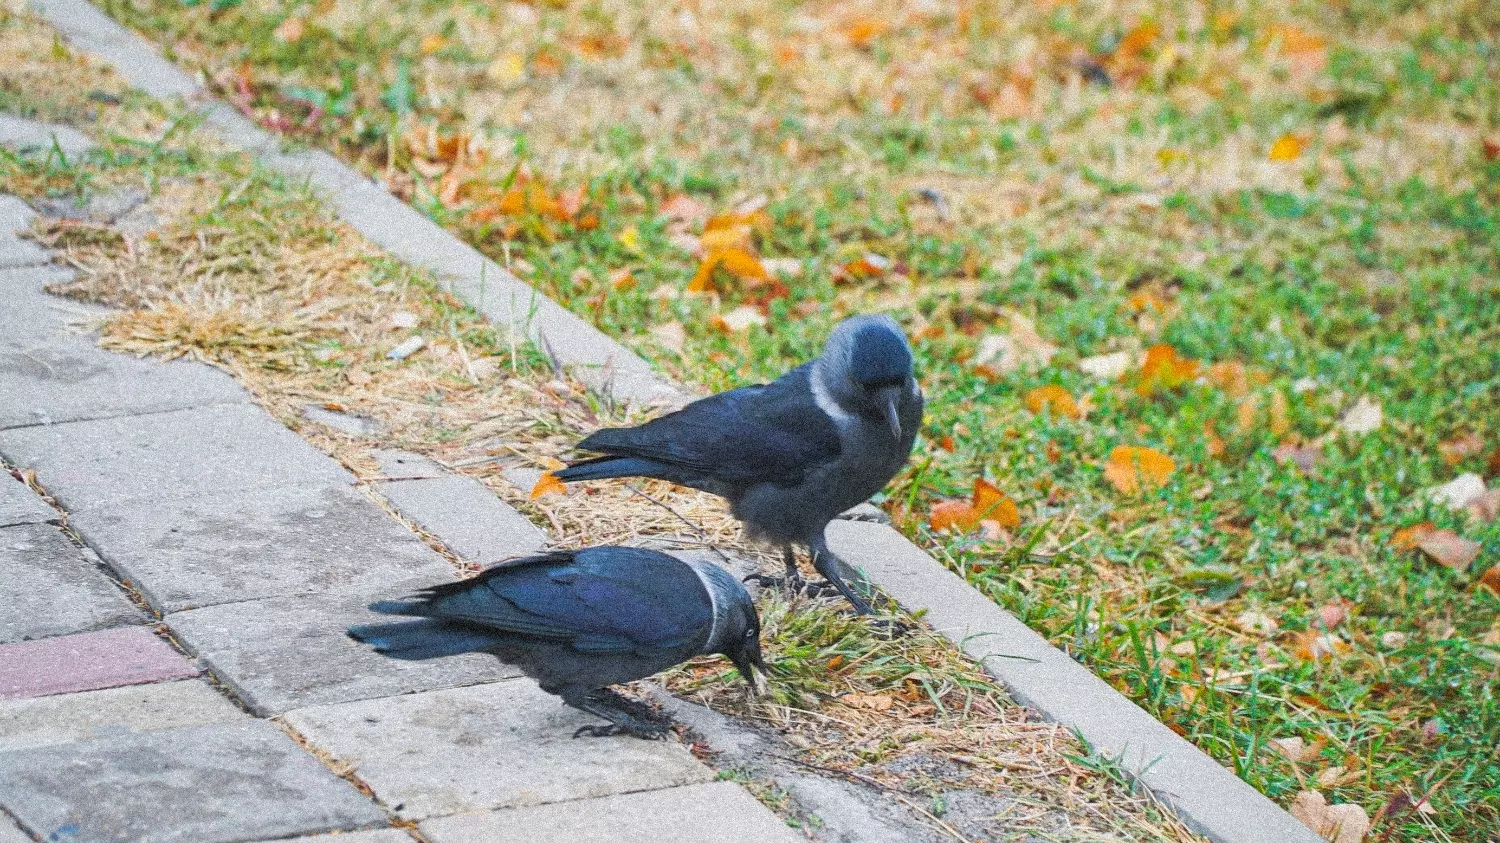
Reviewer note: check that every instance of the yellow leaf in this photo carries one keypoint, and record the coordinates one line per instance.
(1288, 147)
(862, 31)
(547, 484)
(1131, 468)
(1052, 398)
(432, 43)
(506, 69)
(630, 238)
(724, 239)
(1165, 369)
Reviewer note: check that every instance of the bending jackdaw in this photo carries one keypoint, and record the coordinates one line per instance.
(579, 621)
(789, 455)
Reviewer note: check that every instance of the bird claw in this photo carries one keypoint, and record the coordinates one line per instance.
(793, 586)
(644, 731)
(891, 628)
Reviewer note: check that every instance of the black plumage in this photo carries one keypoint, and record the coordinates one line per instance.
(791, 455)
(580, 621)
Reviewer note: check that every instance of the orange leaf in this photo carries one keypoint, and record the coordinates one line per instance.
(1137, 40)
(1286, 148)
(1131, 468)
(868, 265)
(743, 265)
(1449, 549)
(1054, 398)
(1165, 369)
(723, 239)
(861, 31)
(547, 484)
(947, 515)
(989, 503)
(1406, 538)
(703, 279)
(1491, 580)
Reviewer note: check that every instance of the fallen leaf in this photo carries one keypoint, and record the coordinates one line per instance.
(991, 503)
(1053, 399)
(1406, 538)
(987, 503)
(404, 319)
(868, 265)
(548, 484)
(1460, 448)
(630, 238)
(1491, 145)
(1486, 507)
(1332, 614)
(1106, 366)
(1286, 148)
(684, 209)
(1311, 645)
(1338, 776)
(506, 69)
(1449, 549)
(1278, 420)
(1459, 492)
(1305, 457)
(1165, 369)
(1364, 417)
(671, 335)
(869, 702)
(291, 30)
(1131, 468)
(1256, 623)
(1393, 640)
(864, 30)
(1229, 376)
(1297, 750)
(740, 319)
(1343, 823)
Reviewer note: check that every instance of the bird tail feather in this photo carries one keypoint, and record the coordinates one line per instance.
(424, 639)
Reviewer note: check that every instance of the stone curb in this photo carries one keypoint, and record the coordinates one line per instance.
(1209, 798)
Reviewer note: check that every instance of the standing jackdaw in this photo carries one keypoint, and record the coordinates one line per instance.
(579, 621)
(789, 455)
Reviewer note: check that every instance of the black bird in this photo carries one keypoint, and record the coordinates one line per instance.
(789, 455)
(580, 621)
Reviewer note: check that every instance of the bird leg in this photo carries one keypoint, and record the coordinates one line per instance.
(626, 717)
(828, 565)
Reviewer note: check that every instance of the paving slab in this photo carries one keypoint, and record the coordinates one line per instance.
(720, 812)
(88, 661)
(285, 652)
(167, 456)
(112, 712)
(461, 511)
(9, 833)
(500, 745)
(14, 252)
(35, 138)
(383, 835)
(207, 784)
(20, 505)
(51, 589)
(191, 552)
(15, 215)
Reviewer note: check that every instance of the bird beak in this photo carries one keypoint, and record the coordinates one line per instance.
(747, 665)
(890, 397)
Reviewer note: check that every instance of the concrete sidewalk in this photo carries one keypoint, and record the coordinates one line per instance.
(173, 665)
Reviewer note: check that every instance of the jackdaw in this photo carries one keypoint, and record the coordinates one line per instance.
(578, 621)
(789, 455)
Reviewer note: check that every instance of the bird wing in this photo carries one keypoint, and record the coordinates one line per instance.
(772, 433)
(614, 600)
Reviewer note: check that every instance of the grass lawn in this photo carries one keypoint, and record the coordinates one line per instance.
(1258, 240)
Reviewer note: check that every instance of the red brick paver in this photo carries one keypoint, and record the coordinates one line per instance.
(88, 661)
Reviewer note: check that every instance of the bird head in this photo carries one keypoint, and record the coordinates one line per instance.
(743, 649)
(736, 631)
(866, 368)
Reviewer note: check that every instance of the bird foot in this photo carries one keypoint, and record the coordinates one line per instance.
(792, 586)
(644, 731)
(891, 629)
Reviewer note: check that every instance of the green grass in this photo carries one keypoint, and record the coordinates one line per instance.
(1365, 267)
